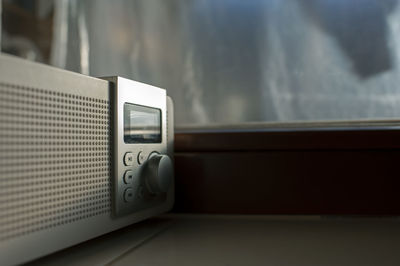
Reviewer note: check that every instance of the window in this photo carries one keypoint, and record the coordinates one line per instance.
(230, 61)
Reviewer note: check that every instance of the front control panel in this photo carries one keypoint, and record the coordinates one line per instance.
(142, 165)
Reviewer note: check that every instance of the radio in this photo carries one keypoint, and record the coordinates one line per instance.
(80, 157)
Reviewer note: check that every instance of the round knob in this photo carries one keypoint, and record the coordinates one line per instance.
(158, 172)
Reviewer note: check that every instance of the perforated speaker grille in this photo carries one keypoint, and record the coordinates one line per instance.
(54, 159)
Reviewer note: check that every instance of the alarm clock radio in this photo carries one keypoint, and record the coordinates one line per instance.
(79, 157)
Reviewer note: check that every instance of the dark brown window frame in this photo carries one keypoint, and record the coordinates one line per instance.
(330, 168)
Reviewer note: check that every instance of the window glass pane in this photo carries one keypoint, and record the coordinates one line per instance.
(235, 61)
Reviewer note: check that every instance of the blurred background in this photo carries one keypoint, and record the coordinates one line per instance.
(226, 61)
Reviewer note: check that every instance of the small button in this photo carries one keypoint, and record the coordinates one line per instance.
(128, 195)
(128, 158)
(128, 177)
(141, 157)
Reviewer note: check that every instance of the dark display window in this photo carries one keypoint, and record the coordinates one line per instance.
(141, 124)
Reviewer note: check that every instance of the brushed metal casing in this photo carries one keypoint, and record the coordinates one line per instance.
(56, 160)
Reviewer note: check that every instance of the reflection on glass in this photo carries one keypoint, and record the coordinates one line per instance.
(235, 61)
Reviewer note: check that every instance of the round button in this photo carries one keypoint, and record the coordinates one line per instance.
(141, 157)
(128, 159)
(158, 173)
(128, 177)
(128, 195)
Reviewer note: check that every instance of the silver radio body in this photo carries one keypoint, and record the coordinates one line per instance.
(80, 157)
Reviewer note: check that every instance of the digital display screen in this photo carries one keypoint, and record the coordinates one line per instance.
(141, 124)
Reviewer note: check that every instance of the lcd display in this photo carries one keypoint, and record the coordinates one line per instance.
(141, 124)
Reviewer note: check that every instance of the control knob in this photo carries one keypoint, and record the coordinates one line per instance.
(158, 173)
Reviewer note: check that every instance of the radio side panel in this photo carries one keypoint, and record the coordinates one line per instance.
(170, 148)
(170, 127)
(55, 161)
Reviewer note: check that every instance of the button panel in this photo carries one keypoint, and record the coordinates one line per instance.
(131, 182)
